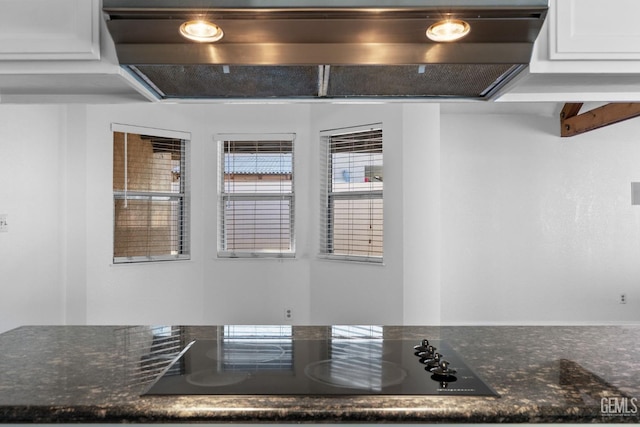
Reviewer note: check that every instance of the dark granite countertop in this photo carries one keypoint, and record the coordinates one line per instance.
(69, 374)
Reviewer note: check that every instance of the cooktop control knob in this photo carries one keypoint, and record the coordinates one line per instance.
(422, 346)
(443, 372)
(432, 362)
(428, 353)
(444, 367)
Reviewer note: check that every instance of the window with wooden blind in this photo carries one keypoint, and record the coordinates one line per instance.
(256, 196)
(150, 194)
(352, 206)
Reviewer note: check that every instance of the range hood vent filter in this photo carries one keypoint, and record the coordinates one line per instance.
(217, 81)
(296, 82)
(433, 80)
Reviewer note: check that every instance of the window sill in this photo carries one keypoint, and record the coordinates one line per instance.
(352, 260)
(263, 256)
(148, 261)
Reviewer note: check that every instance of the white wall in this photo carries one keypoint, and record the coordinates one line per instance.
(75, 187)
(536, 228)
(31, 252)
(421, 214)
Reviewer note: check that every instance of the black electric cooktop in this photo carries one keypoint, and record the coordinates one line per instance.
(319, 367)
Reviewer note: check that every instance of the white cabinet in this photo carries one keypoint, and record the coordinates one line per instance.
(58, 51)
(589, 36)
(594, 30)
(49, 30)
(588, 50)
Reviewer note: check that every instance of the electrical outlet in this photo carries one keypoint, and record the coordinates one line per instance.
(288, 314)
(4, 226)
(623, 298)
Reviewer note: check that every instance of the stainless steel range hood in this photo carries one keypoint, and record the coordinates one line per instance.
(324, 49)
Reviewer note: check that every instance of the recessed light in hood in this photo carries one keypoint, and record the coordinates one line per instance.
(201, 31)
(324, 48)
(449, 30)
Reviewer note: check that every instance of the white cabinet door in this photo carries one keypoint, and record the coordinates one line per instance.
(594, 30)
(49, 29)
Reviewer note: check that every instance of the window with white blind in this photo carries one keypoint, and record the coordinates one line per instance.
(352, 194)
(150, 194)
(256, 196)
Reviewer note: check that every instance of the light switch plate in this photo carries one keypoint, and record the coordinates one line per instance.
(4, 226)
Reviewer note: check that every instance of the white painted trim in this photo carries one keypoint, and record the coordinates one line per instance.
(164, 133)
(253, 136)
(551, 96)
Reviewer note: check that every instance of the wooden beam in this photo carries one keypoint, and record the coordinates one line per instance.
(570, 110)
(573, 123)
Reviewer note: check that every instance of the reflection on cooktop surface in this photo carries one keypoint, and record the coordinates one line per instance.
(356, 373)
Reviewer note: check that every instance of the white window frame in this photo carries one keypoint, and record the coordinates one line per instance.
(183, 196)
(223, 197)
(326, 196)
